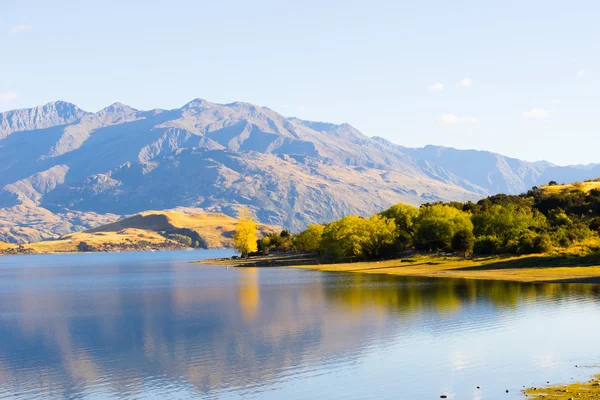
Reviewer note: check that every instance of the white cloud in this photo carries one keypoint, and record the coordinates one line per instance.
(436, 87)
(20, 29)
(456, 119)
(580, 73)
(465, 82)
(536, 113)
(8, 96)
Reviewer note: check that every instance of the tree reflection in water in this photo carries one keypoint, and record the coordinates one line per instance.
(136, 329)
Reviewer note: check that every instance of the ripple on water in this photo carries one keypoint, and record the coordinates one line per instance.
(146, 327)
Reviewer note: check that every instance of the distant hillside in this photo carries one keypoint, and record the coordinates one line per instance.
(152, 230)
(584, 187)
(211, 230)
(63, 169)
(494, 172)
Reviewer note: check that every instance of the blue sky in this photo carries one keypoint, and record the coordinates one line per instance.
(516, 77)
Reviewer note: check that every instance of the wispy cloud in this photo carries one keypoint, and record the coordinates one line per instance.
(8, 96)
(465, 82)
(436, 87)
(15, 30)
(580, 73)
(457, 119)
(536, 113)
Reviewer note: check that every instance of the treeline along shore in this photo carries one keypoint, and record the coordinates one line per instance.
(550, 233)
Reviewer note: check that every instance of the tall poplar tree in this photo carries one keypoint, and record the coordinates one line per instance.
(244, 237)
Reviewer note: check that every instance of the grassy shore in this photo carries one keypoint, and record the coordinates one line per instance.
(532, 268)
(577, 391)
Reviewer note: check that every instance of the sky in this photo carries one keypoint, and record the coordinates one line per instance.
(520, 78)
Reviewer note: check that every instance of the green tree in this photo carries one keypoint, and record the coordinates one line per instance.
(463, 241)
(344, 238)
(182, 239)
(264, 245)
(437, 225)
(309, 240)
(558, 217)
(244, 237)
(405, 218)
(379, 232)
(487, 245)
(508, 222)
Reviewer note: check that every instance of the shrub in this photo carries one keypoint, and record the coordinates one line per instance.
(487, 245)
(526, 243)
(463, 241)
(182, 239)
(85, 247)
(542, 243)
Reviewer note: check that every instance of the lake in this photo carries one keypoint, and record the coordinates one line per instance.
(153, 326)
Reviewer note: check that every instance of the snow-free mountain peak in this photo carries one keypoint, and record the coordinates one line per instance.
(58, 161)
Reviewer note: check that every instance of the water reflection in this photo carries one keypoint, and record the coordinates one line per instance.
(409, 295)
(142, 328)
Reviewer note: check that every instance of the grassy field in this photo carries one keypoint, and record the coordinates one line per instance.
(4, 246)
(583, 186)
(579, 391)
(532, 268)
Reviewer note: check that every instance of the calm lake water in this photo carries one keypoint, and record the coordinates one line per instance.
(150, 325)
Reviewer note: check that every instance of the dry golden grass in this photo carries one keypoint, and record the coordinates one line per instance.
(578, 391)
(519, 268)
(582, 186)
(4, 246)
(69, 243)
(214, 229)
(530, 268)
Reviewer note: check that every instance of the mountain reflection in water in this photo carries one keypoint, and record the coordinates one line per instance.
(156, 326)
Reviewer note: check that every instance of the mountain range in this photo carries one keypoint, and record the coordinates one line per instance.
(63, 169)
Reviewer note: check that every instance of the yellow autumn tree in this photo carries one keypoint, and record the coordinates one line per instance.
(244, 238)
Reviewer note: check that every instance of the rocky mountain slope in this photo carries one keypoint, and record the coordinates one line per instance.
(63, 169)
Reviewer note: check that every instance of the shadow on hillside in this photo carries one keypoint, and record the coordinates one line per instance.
(537, 262)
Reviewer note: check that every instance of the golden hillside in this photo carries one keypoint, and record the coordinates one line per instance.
(151, 230)
(565, 188)
(213, 229)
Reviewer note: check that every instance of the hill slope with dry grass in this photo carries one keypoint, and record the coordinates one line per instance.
(584, 187)
(151, 230)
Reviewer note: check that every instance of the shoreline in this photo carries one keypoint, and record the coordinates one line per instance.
(531, 268)
(32, 252)
(579, 390)
(521, 269)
